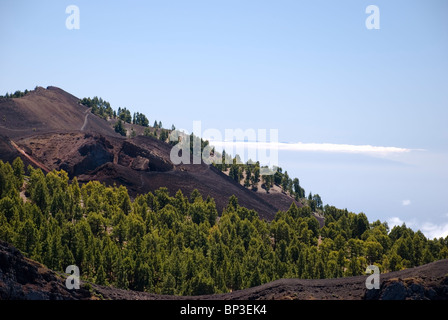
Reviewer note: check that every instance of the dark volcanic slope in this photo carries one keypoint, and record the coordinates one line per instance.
(50, 129)
(21, 278)
(47, 110)
(24, 279)
(131, 172)
(427, 282)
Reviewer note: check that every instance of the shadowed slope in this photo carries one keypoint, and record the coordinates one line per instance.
(50, 129)
(22, 278)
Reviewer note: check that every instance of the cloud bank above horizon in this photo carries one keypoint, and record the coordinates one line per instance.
(342, 148)
(381, 151)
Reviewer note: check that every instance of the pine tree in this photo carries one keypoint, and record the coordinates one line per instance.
(27, 237)
(255, 178)
(169, 284)
(19, 171)
(8, 208)
(247, 179)
(101, 276)
(255, 279)
(267, 182)
(119, 128)
(39, 192)
(163, 135)
(174, 245)
(317, 199)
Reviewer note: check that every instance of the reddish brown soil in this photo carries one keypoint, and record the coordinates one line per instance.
(50, 129)
(47, 110)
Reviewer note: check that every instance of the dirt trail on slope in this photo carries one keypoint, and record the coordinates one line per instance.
(87, 112)
(56, 132)
(34, 161)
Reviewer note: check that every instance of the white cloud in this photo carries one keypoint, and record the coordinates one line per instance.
(406, 202)
(394, 221)
(341, 148)
(313, 147)
(431, 230)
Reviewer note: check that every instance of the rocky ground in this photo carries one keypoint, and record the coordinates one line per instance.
(50, 129)
(24, 279)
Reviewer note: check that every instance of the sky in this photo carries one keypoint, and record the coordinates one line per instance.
(361, 113)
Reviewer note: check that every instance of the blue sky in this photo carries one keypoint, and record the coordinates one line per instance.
(310, 69)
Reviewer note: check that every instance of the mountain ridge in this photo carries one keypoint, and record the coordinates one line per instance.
(51, 129)
(88, 149)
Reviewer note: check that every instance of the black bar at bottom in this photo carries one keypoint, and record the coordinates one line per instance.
(199, 309)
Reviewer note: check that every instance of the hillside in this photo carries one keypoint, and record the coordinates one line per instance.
(50, 129)
(179, 246)
(118, 208)
(48, 110)
(21, 278)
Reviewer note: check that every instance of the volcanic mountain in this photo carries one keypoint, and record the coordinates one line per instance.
(50, 128)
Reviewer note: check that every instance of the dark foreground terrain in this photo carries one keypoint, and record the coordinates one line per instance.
(24, 279)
